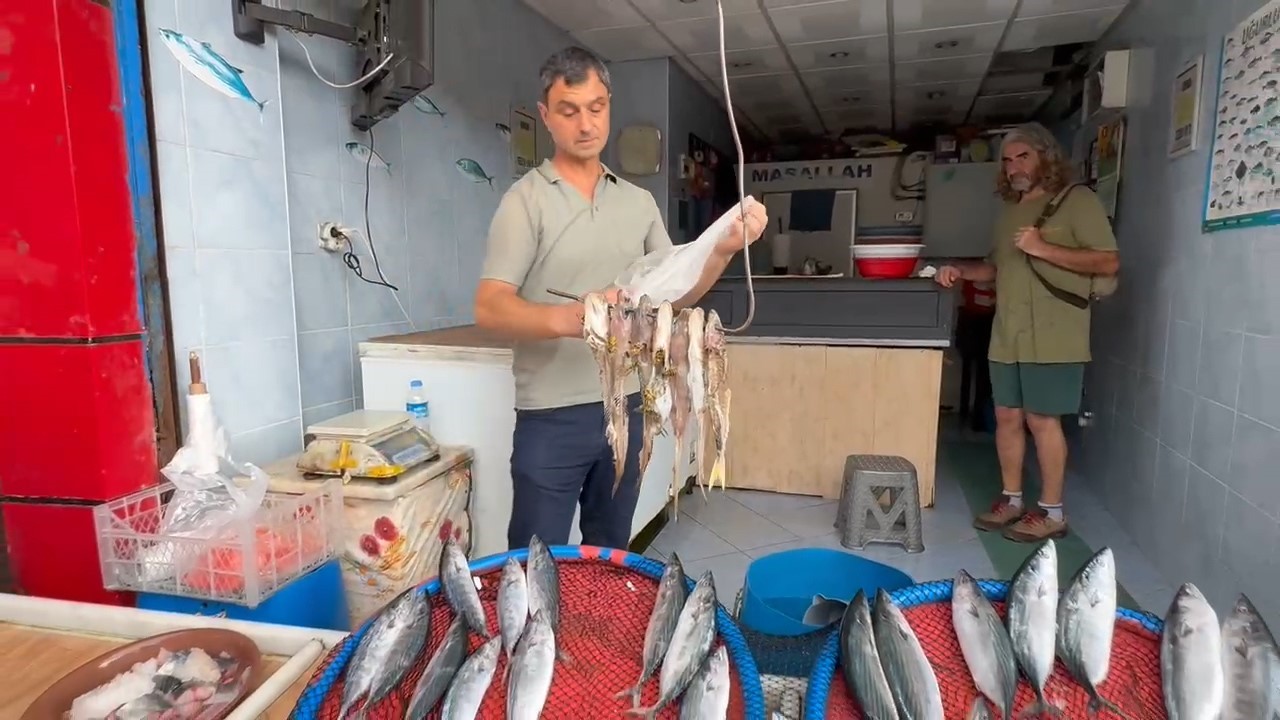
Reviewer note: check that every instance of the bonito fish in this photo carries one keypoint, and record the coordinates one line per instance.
(678, 387)
(717, 393)
(1031, 614)
(531, 671)
(642, 322)
(388, 648)
(513, 605)
(466, 694)
(672, 592)
(615, 396)
(708, 695)
(543, 577)
(911, 677)
(698, 386)
(440, 670)
(984, 642)
(690, 643)
(860, 662)
(1086, 625)
(595, 331)
(656, 391)
(1191, 658)
(459, 589)
(1250, 665)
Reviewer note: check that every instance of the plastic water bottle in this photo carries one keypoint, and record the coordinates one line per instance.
(417, 406)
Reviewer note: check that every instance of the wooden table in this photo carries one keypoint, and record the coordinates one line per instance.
(37, 658)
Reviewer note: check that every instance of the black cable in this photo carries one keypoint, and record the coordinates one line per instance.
(349, 258)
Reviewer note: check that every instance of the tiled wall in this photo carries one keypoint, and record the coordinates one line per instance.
(640, 97)
(1184, 381)
(277, 319)
(692, 111)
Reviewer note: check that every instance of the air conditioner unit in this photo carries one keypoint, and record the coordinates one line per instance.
(1106, 85)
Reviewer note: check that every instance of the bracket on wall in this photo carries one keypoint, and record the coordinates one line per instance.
(250, 18)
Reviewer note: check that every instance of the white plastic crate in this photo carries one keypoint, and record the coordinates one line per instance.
(247, 563)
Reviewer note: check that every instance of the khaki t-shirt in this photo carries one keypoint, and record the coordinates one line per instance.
(547, 235)
(1031, 325)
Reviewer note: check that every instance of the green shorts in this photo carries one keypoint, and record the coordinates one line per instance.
(1041, 388)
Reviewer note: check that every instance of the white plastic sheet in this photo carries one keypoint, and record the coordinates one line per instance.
(669, 274)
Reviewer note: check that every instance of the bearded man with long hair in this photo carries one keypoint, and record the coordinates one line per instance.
(1039, 341)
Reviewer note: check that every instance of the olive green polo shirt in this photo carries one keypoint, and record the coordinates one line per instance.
(547, 235)
(1031, 325)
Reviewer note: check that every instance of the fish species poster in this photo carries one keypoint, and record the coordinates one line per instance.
(1246, 126)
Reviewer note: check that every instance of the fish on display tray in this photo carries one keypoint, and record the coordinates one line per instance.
(532, 669)
(1191, 658)
(911, 677)
(691, 642)
(984, 643)
(860, 662)
(667, 604)
(459, 588)
(471, 683)
(1250, 665)
(513, 605)
(387, 650)
(181, 684)
(438, 675)
(543, 577)
(1086, 625)
(1031, 615)
(708, 695)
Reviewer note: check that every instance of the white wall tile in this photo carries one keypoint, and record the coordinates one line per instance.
(324, 362)
(238, 203)
(254, 384)
(245, 295)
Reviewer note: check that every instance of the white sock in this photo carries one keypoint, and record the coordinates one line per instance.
(1054, 511)
(1014, 499)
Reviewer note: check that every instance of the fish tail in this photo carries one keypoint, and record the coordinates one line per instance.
(717, 471)
(1039, 709)
(648, 713)
(633, 693)
(490, 179)
(1097, 703)
(564, 657)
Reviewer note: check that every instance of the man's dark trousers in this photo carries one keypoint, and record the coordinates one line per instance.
(559, 458)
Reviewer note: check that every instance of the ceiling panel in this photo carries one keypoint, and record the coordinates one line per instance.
(911, 15)
(951, 42)
(851, 98)
(830, 21)
(759, 88)
(866, 116)
(741, 32)
(1012, 83)
(938, 93)
(660, 11)
(841, 80)
(1059, 29)
(840, 53)
(587, 14)
(969, 67)
(1039, 8)
(763, 61)
(1010, 103)
(626, 43)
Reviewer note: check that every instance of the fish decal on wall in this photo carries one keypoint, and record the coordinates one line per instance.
(503, 131)
(425, 105)
(471, 170)
(202, 61)
(365, 154)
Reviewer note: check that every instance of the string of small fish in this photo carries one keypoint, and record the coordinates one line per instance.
(678, 645)
(1207, 672)
(682, 366)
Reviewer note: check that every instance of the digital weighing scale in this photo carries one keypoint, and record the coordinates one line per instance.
(369, 444)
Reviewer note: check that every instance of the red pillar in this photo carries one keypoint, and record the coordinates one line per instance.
(76, 416)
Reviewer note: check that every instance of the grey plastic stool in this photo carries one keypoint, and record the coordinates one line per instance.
(860, 517)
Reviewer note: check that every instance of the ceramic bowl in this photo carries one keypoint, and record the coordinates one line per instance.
(55, 702)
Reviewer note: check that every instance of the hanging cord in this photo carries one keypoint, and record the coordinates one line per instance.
(331, 84)
(349, 257)
(742, 161)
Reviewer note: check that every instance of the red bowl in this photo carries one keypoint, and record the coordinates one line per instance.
(886, 267)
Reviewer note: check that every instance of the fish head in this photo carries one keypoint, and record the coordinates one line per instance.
(713, 332)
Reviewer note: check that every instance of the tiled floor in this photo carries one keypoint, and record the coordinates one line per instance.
(725, 532)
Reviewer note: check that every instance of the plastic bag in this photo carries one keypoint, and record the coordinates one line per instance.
(669, 274)
(212, 490)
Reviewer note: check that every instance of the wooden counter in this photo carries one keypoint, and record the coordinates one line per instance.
(40, 657)
(799, 410)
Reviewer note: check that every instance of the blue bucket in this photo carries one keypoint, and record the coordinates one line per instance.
(780, 587)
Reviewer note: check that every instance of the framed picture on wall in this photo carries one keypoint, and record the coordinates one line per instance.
(1185, 128)
(1242, 189)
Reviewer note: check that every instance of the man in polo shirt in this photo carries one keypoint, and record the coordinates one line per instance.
(572, 225)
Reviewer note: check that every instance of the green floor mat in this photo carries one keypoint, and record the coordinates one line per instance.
(974, 466)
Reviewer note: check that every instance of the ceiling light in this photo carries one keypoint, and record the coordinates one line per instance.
(737, 65)
(946, 44)
(839, 54)
(850, 99)
(688, 2)
(934, 94)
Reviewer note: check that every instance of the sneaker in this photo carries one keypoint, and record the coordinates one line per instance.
(1001, 515)
(1036, 526)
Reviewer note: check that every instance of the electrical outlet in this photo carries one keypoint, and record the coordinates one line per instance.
(332, 238)
(904, 216)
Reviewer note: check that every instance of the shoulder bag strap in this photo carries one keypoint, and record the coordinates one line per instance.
(1068, 297)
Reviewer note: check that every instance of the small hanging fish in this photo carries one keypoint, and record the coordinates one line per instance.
(471, 170)
(362, 152)
(426, 106)
(504, 132)
(203, 62)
